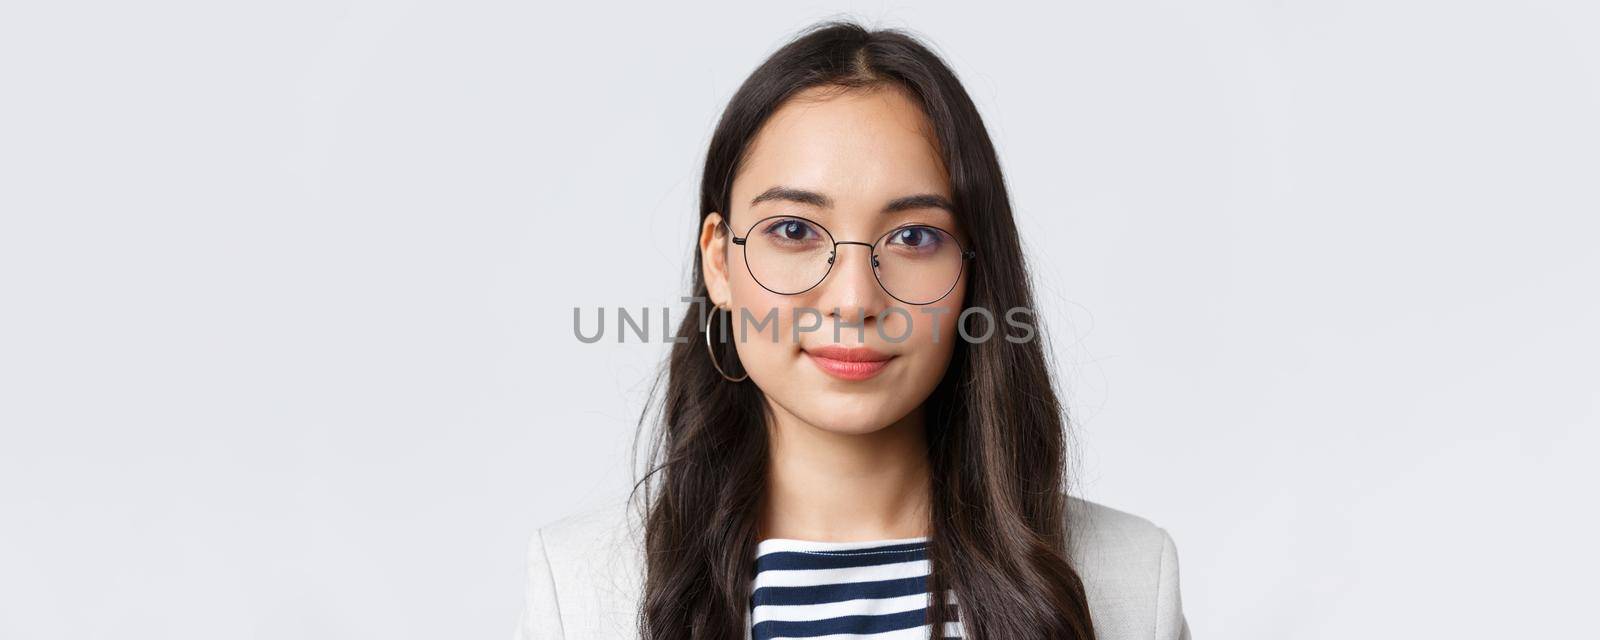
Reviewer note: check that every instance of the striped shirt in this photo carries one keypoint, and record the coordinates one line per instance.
(836, 590)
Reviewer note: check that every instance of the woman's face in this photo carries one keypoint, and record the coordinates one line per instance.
(861, 164)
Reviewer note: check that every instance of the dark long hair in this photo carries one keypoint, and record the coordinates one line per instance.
(995, 428)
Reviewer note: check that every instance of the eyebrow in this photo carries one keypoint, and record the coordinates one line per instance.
(812, 198)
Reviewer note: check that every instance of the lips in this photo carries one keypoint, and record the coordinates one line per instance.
(848, 363)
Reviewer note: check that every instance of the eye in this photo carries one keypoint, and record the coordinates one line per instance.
(790, 230)
(917, 238)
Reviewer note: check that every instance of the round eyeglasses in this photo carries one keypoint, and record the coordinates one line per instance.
(915, 263)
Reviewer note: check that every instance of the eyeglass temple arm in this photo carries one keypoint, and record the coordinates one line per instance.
(736, 239)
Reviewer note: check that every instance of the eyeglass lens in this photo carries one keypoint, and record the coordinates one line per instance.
(917, 264)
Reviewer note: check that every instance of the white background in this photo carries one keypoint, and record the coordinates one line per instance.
(286, 295)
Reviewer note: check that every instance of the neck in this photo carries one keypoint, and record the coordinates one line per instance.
(831, 486)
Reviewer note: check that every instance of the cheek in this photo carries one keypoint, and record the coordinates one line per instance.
(935, 334)
(948, 313)
(935, 331)
(765, 340)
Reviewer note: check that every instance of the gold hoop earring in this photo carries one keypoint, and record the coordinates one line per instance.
(710, 317)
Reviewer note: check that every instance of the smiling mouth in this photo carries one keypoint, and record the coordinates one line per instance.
(853, 364)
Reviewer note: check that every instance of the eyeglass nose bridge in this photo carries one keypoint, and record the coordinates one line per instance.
(834, 253)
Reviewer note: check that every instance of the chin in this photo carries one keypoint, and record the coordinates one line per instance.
(849, 426)
(850, 414)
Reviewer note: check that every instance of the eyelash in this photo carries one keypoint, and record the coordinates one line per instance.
(779, 221)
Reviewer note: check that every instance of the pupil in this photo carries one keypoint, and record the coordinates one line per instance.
(912, 237)
(793, 231)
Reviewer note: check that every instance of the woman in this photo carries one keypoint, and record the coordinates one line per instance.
(839, 440)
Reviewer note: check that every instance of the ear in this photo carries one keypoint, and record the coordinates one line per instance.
(714, 239)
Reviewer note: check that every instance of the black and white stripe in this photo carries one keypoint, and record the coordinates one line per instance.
(836, 590)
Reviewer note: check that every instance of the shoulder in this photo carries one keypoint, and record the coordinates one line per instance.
(1129, 568)
(600, 528)
(587, 569)
(1097, 530)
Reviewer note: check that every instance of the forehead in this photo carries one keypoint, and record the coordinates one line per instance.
(861, 147)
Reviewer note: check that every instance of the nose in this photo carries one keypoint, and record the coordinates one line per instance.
(851, 293)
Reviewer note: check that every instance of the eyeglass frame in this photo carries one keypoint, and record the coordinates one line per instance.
(833, 253)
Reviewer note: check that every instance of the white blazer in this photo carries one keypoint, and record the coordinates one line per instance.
(586, 574)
